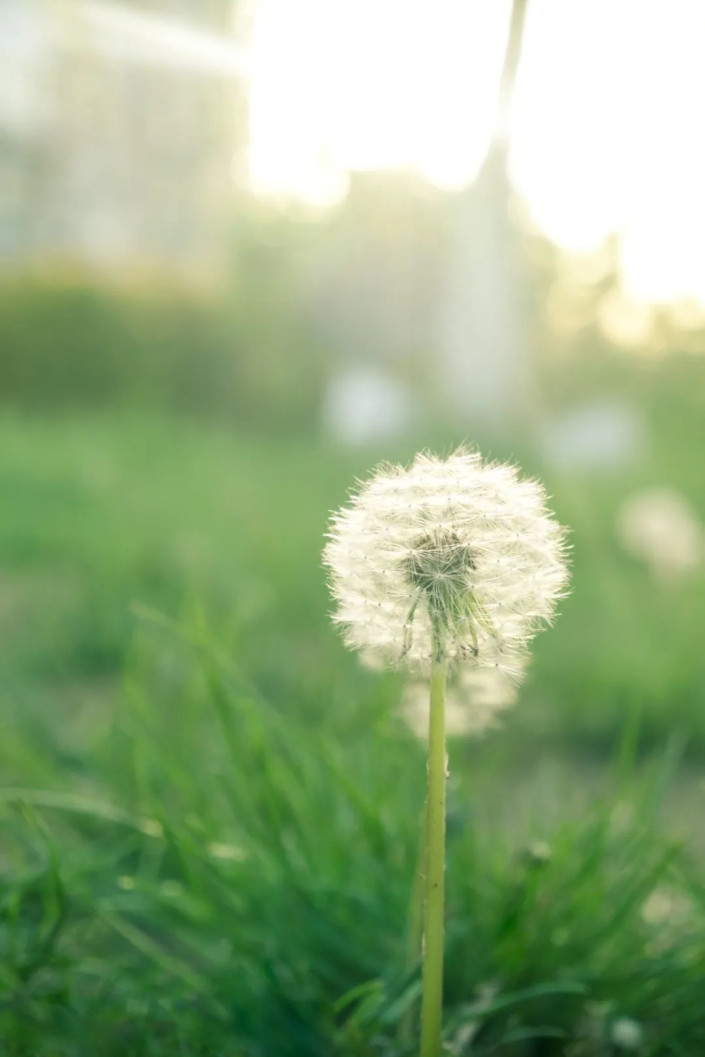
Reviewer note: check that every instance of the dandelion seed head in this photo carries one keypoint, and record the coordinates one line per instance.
(659, 527)
(450, 557)
(475, 701)
(626, 1034)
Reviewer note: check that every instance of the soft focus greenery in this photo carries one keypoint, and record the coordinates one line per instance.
(71, 341)
(210, 813)
(107, 513)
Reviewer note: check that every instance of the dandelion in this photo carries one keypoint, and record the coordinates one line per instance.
(626, 1034)
(475, 700)
(454, 559)
(447, 565)
(659, 526)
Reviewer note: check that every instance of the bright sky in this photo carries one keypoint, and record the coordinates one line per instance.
(606, 131)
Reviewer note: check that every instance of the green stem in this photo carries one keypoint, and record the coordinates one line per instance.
(409, 1020)
(432, 979)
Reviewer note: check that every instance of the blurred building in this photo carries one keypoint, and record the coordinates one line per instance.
(485, 317)
(119, 124)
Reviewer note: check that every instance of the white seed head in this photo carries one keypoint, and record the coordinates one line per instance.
(475, 700)
(659, 526)
(452, 557)
(626, 1034)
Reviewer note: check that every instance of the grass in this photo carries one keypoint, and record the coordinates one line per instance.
(211, 814)
(110, 513)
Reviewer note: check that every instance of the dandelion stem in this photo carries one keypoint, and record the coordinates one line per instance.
(409, 1020)
(432, 978)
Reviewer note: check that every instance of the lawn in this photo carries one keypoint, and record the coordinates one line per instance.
(211, 813)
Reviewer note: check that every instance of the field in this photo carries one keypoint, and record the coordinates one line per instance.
(211, 813)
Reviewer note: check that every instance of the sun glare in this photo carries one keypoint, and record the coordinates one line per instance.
(370, 85)
(604, 130)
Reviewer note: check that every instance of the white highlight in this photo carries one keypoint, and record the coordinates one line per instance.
(604, 134)
(369, 84)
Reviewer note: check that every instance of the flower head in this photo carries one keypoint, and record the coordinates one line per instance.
(455, 559)
(626, 1034)
(476, 698)
(659, 526)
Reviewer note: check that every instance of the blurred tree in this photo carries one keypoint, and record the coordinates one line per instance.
(122, 150)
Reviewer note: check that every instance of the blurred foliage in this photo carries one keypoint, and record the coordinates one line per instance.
(243, 354)
(296, 298)
(210, 823)
(113, 511)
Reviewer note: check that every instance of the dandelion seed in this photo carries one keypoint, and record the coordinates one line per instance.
(452, 557)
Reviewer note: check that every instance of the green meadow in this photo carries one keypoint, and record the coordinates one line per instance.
(210, 813)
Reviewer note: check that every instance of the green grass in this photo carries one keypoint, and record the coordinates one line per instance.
(210, 813)
(106, 514)
(258, 868)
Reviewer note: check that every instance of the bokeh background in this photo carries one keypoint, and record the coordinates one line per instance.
(248, 248)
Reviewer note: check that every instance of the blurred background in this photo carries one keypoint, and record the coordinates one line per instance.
(248, 248)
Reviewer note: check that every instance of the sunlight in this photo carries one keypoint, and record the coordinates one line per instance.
(371, 85)
(603, 133)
